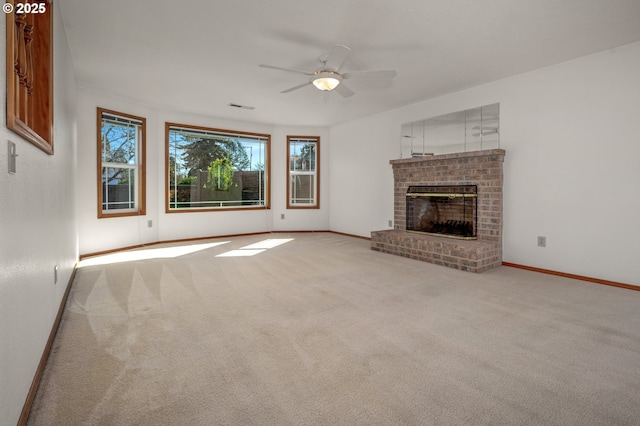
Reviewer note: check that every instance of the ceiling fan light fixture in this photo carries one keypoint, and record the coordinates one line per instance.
(326, 80)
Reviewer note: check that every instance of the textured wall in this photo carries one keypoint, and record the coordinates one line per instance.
(39, 231)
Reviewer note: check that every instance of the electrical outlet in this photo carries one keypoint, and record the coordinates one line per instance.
(542, 241)
(282, 216)
(149, 223)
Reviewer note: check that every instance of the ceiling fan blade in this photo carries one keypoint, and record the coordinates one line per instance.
(381, 74)
(285, 69)
(336, 57)
(299, 86)
(344, 90)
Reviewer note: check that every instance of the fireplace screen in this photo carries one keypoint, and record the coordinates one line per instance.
(449, 211)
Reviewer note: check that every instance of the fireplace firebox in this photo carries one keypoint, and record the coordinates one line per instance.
(447, 211)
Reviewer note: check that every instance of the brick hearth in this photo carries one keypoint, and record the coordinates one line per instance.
(481, 168)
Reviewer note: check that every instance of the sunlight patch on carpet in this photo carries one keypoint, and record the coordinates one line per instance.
(256, 248)
(155, 253)
(240, 253)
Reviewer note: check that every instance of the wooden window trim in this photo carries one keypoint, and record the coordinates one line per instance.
(267, 168)
(316, 206)
(29, 50)
(142, 167)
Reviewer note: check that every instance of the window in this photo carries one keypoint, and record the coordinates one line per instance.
(212, 169)
(121, 164)
(303, 178)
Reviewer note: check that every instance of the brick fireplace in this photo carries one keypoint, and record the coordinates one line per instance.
(482, 169)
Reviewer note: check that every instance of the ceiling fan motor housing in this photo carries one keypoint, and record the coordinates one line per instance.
(326, 79)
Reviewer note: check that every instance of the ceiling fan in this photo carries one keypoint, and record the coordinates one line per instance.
(328, 77)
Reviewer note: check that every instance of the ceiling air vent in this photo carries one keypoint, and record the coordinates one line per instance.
(241, 106)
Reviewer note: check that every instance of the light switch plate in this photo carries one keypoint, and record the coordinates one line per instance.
(12, 157)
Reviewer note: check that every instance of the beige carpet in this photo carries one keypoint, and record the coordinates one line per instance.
(322, 330)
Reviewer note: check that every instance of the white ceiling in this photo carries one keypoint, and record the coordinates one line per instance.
(198, 56)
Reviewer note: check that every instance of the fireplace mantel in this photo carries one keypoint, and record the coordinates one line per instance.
(481, 168)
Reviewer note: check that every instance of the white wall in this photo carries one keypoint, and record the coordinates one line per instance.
(112, 233)
(361, 181)
(572, 165)
(39, 231)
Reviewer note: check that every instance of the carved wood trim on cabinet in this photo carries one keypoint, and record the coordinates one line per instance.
(30, 73)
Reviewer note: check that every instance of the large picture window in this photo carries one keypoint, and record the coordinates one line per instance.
(303, 155)
(212, 169)
(121, 164)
